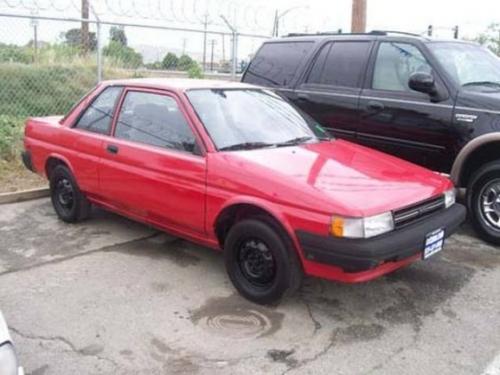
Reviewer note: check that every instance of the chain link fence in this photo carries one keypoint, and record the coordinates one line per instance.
(51, 56)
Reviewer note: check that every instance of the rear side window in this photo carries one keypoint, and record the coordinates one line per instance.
(276, 63)
(98, 116)
(155, 120)
(340, 64)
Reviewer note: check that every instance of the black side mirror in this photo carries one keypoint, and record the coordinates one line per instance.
(422, 82)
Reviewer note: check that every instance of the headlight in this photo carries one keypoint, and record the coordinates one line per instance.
(449, 198)
(8, 360)
(362, 227)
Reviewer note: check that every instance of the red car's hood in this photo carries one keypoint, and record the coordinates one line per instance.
(337, 177)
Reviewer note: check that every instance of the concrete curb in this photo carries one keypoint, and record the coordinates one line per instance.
(24, 195)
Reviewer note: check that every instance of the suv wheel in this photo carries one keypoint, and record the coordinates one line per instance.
(261, 261)
(483, 198)
(68, 201)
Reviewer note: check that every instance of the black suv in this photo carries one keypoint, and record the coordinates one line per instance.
(433, 102)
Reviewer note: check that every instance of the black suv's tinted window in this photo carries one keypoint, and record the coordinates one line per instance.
(98, 116)
(340, 64)
(154, 119)
(277, 63)
(395, 63)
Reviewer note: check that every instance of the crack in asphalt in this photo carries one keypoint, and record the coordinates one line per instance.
(66, 342)
(78, 255)
(306, 361)
(316, 323)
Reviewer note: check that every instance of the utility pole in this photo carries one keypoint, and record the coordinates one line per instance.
(84, 32)
(212, 43)
(183, 46)
(358, 24)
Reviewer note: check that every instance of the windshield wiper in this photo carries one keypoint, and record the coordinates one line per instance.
(481, 83)
(246, 146)
(294, 141)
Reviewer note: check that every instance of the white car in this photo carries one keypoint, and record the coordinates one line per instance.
(8, 359)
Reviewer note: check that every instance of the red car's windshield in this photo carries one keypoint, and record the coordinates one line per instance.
(249, 118)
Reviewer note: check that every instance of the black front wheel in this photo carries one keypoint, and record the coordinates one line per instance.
(68, 201)
(261, 261)
(483, 198)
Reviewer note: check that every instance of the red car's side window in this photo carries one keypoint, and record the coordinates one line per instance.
(156, 120)
(98, 116)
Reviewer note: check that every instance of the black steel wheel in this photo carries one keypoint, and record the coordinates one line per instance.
(68, 201)
(261, 261)
(256, 262)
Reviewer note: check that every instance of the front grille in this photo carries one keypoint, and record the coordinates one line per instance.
(418, 211)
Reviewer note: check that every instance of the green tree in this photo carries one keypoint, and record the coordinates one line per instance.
(73, 38)
(185, 62)
(490, 38)
(123, 56)
(170, 61)
(117, 34)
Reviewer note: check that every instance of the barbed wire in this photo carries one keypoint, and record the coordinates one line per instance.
(244, 15)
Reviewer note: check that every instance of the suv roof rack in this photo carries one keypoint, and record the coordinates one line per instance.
(339, 32)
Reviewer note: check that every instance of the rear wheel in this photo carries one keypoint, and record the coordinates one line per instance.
(483, 195)
(68, 201)
(261, 261)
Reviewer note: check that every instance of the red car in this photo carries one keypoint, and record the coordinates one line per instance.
(237, 168)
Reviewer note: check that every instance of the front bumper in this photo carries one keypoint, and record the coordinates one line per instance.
(356, 255)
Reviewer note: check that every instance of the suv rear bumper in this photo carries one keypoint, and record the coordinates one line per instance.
(356, 255)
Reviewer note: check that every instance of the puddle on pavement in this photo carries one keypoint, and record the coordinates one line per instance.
(234, 317)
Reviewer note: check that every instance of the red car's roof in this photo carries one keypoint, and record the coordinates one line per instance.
(181, 84)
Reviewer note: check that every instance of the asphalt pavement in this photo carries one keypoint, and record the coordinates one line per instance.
(111, 296)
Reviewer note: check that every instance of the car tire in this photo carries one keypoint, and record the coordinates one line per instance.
(261, 261)
(69, 203)
(484, 210)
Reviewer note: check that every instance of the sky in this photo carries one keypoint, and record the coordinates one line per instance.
(255, 17)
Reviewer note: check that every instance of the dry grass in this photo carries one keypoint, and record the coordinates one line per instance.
(15, 177)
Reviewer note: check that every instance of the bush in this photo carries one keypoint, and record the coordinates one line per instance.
(10, 53)
(122, 55)
(195, 71)
(11, 135)
(42, 90)
(185, 63)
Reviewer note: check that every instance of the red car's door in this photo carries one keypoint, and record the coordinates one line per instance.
(83, 140)
(153, 167)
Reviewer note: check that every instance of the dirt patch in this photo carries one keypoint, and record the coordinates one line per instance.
(15, 177)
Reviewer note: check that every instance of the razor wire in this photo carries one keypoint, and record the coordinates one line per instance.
(256, 16)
